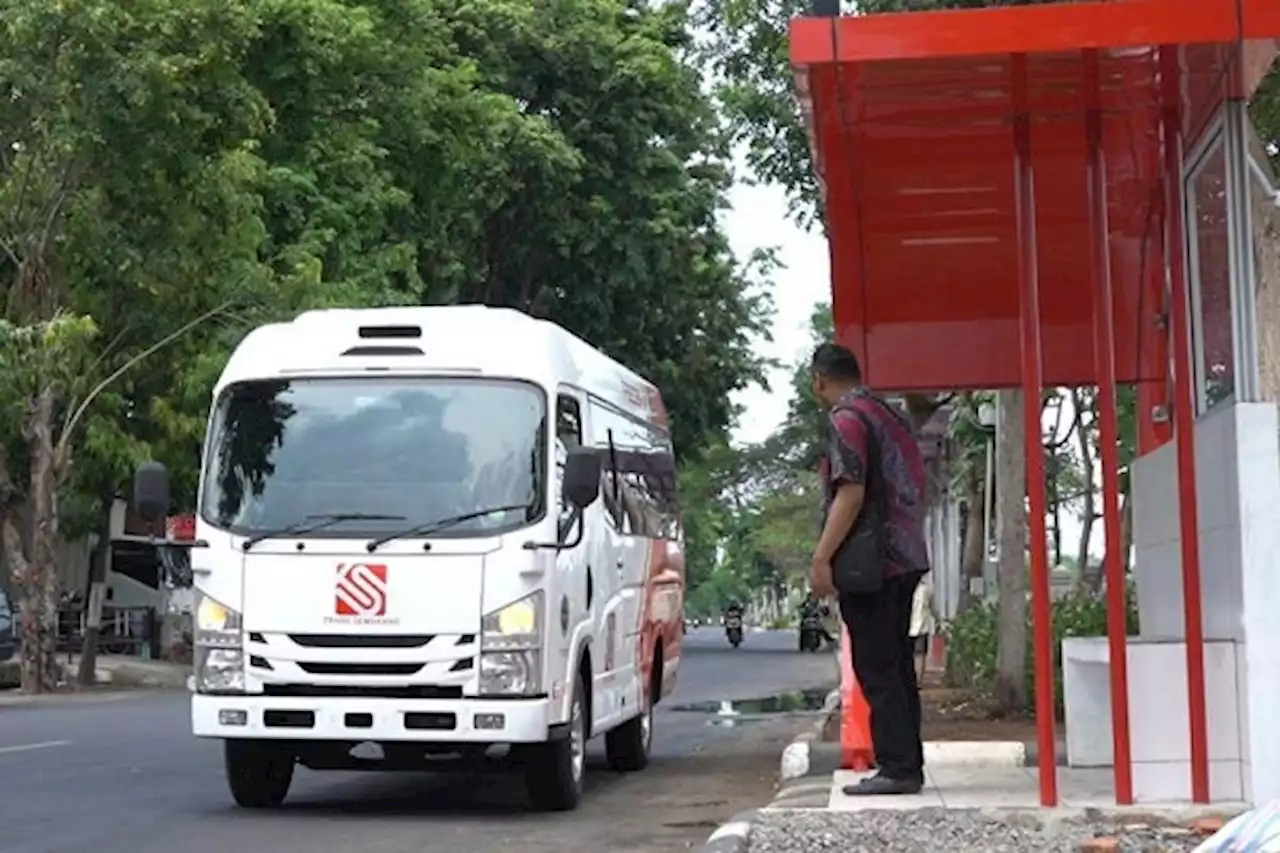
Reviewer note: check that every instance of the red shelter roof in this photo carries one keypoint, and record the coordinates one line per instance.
(911, 123)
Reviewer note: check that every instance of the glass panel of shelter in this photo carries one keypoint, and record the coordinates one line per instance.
(1232, 225)
(1209, 245)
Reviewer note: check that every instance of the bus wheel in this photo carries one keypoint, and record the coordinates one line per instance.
(555, 770)
(258, 773)
(626, 747)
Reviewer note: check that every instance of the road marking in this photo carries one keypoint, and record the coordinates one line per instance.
(28, 747)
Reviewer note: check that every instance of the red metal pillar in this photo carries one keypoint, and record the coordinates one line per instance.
(1032, 385)
(1184, 423)
(1104, 357)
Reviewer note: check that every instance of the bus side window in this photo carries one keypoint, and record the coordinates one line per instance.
(568, 434)
(568, 421)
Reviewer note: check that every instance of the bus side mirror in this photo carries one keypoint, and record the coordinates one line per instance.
(581, 484)
(151, 491)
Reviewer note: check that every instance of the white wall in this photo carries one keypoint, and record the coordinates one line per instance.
(1238, 500)
(1157, 538)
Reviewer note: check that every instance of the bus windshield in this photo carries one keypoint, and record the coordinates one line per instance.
(282, 451)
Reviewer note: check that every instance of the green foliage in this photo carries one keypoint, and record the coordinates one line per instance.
(237, 162)
(1264, 108)
(751, 513)
(558, 156)
(973, 637)
(747, 54)
(35, 356)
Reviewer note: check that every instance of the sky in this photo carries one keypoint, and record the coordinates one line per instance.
(757, 220)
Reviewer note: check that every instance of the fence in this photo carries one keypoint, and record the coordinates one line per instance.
(124, 631)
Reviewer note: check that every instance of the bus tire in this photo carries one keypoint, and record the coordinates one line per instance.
(627, 747)
(554, 771)
(258, 773)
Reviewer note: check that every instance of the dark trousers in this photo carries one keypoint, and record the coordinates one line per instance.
(883, 660)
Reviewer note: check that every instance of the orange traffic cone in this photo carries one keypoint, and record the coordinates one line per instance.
(856, 751)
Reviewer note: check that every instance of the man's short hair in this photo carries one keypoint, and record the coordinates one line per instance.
(833, 361)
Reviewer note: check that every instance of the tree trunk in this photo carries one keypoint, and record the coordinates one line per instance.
(22, 575)
(1126, 524)
(99, 564)
(1011, 490)
(1086, 574)
(975, 537)
(1086, 577)
(44, 545)
(1055, 529)
(33, 558)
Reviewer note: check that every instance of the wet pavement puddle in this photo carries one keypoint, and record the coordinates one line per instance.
(733, 712)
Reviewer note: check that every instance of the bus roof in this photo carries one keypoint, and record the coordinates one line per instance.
(445, 339)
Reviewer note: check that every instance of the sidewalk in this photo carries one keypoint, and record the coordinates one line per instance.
(980, 797)
(113, 671)
(973, 808)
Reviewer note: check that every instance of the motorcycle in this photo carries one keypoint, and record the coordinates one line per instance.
(733, 630)
(810, 633)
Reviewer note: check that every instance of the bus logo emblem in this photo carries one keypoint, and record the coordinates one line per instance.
(361, 589)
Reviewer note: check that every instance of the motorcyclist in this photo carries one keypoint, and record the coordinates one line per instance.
(812, 607)
(733, 608)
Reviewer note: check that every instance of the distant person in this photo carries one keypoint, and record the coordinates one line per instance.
(733, 608)
(924, 623)
(873, 455)
(812, 607)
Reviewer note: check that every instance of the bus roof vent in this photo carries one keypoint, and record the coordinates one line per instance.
(373, 350)
(385, 332)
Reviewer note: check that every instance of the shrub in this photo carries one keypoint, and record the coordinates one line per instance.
(973, 638)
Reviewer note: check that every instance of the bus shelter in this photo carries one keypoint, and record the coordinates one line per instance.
(1072, 194)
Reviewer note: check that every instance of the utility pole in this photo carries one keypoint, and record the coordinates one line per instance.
(99, 564)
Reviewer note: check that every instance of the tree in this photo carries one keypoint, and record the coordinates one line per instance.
(556, 156)
(970, 444)
(157, 162)
(747, 54)
(1011, 490)
(122, 168)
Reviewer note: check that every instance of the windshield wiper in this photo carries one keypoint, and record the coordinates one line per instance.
(315, 522)
(429, 527)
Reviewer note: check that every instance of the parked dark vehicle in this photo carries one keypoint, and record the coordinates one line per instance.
(8, 640)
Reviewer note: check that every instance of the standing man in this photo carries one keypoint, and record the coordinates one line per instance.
(872, 455)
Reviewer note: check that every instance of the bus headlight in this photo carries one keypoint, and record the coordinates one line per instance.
(219, 670)
(511, 673)
(216, 624)
(511, 649)
(515, 627)
(219, 647)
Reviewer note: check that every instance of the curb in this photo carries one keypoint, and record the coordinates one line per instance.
(797, 757)
(733, 836)
(810, 757)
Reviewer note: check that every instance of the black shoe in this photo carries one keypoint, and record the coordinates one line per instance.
(879, 785)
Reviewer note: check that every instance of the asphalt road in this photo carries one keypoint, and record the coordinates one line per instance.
(121, 774)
